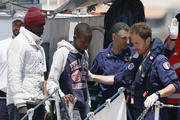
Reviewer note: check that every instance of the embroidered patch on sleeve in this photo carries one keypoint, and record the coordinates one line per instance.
(131, 66)
(166, 65)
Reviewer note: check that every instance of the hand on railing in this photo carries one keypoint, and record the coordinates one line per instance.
(69, 98)
(22, 111)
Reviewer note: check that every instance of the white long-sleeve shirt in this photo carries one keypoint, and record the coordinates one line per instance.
(26, 67)
(4, 44)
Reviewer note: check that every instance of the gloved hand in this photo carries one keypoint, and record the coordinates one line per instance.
(90, 76)
(150, 100)
(47, 106)
(173, 29)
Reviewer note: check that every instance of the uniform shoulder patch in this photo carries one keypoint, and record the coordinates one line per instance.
(131, 66)
(166, 65)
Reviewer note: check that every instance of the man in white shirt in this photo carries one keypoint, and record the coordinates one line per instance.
(26, 65)
(17, 22)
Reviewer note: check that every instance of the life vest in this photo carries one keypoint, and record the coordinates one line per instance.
(175, 62)
(144, 68)
(137, 70)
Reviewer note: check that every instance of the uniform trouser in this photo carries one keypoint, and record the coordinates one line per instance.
(38, 113)
(163, 114)
(136, 112)
(173, 113)
(3, 107)
(179, 111)
(12, 112)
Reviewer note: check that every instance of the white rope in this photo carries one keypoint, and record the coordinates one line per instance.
(51, 99)
(169, 105)
(91, 114)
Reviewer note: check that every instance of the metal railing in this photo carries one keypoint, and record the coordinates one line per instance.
(31, 111)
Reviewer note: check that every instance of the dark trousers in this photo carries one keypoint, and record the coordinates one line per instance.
(3, 107)
(12, 112)
(38, 113)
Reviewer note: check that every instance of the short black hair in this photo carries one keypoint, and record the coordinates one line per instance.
(82, 28)
(118, 27)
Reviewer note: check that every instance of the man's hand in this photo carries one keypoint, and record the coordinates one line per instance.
(90, 76)
(22, 110)
(173, 29)
(68, 98)
(150, 100)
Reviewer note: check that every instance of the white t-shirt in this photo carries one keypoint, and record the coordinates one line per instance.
(4, 44)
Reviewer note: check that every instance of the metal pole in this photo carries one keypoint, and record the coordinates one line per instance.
(57, 101)
(48, 4)
(58, 3)
(157, 107)
(11, 8)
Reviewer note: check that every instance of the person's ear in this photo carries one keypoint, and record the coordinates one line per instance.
(113, 36)
(148, 41)
(75, 37)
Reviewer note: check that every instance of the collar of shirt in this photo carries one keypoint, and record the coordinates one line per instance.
(32, 38)
(110, 53)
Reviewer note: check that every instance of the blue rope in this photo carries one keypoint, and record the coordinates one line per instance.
(40, 104)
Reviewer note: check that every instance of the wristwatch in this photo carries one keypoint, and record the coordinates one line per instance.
(158, 94)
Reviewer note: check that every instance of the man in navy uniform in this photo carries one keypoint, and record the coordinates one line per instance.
(151, 76)
(113, 59)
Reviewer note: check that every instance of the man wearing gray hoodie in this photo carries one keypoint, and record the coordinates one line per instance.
(69, 70)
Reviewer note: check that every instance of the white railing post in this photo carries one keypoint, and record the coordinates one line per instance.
(57, 101)
(157, 107)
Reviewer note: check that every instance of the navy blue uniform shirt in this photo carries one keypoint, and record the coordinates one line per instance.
(108, 63)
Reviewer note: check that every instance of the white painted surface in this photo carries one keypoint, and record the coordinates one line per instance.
(5, 28)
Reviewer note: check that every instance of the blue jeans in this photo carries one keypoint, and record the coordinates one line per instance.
(3, 110)
(12, 112)
(3, 107)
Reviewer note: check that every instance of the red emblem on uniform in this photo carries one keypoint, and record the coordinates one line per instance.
(143, 75)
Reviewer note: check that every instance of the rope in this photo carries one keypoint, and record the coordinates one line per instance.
(143, 113)
(168, 105)
(50, 99)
